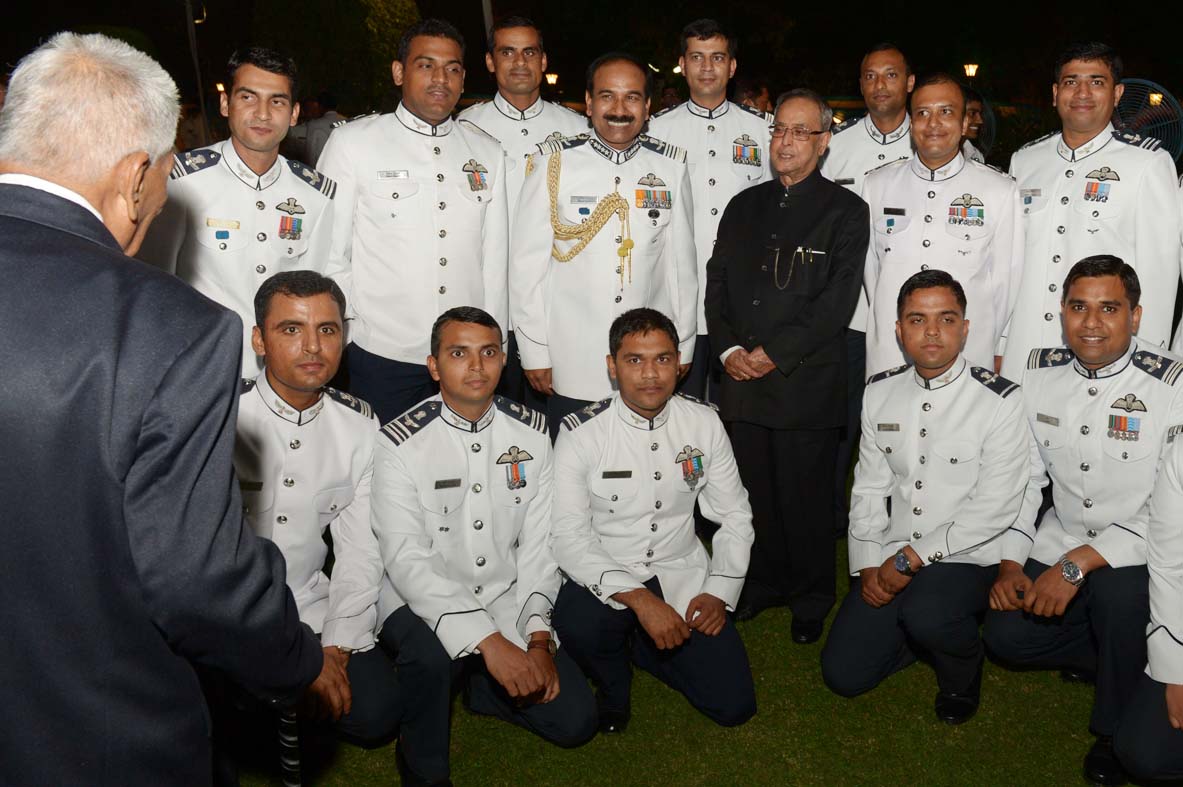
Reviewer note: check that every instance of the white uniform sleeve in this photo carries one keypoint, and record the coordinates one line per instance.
(418, 571)
(681, 261)
(1164, 559)
(538, 573)
(495, 249)
(323, 255)
(1008, 251)
(529, 264)
(1156, 254)
(336, 162)
(725, 501)
(576, 547)
(873, 481)
(352, 616)
(1017, 540)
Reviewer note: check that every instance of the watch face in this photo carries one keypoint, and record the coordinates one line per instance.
(901, 563)
(1071, 572)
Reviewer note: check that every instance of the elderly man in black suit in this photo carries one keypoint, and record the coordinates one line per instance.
(781, 287)
(124, 559)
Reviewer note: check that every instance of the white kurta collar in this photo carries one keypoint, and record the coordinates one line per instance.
(246, 174)
(277, 405)
(951, 374)
(944, 173)
(611, 153)
(637, 421)
(1107, 371)
(889, 137)
(456, 420)
(513, 113)
(419, 125)
(1088, 148)
(709, 114)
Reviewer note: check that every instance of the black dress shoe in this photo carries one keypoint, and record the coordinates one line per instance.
(806, 631)
(954, 708)
(747, 611)
(1101, 765)
(614, 721)
(1078, 676)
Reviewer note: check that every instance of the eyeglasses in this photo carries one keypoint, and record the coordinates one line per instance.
(799, 133)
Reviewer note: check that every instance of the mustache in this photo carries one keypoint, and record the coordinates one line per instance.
(620, 118)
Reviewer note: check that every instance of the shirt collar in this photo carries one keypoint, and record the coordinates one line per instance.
(245, 173)
(419, 125)
(611, 153)
(277, 405)
(630, 417)
(456, 420)
(1088, 148)
(1107, 371)
(940, 381)
(512, 112)
(944, 173)
(709, 114)
(49, 187)
(889, 137)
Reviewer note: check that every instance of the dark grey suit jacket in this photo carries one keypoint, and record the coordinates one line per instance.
(123, 557)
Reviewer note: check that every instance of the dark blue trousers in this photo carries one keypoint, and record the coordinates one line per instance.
(1147, 745)
(391, 387)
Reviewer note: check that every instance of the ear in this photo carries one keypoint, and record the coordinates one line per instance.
(682, 65)
(730, 74)
(130, 175)
(964, 124)
(295, 114)
(433, 368)
(1136, 317)
(544, 64)
(1118, 89)
(257, 342)
(824, 141)
(964, 332)
(489, 63)
(224, 104)
(396, 71)
(899, 333)
(587, 103)
(1055, 93)
(911, 82)
(611, 367)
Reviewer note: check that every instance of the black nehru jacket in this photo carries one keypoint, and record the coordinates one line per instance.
(796, 304)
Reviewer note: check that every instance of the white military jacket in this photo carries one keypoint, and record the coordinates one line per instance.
(951, 452)
(1098, 435)
(1164, 561)
(971, 152)
(421, 214)
(462, 511)
(962, 218)
(562, 310)
(625, 488)
(857, 147)
(1115, 194)
(726, 152)
(303, 471)
(226, 230)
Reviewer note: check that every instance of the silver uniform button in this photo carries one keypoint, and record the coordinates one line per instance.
(657, 476)
(480, 561)
(1047, 316)
(916, 535)
(931, 194)
(1052, 288)
(260, 205)
(923, 460)
(443, 233)
(711, 182)
(443, 289)
(476, 448)
(477, 525)
(260, 269)
(1084, 466)
(919, 484)
(440, 177)
(1092, 391)
(281, 519)
(262, 236)
(294, 444)
(443, 205)
(222, 246)
(1084, 429)
(1056, 258)
(1092, 533)
(926, 243)
(648, 553)
(1088, 502)
(653, 527)
(477, 590)
(917, 511)
(653, 446)
(926, 407)
(1069, 173)
(476, 487)
(887, 450)
(657, 504)
(928, 219)
(1061, 229)
(924, 433)
(443, 262)
(289, 482)
(525, 132)
(436, 151)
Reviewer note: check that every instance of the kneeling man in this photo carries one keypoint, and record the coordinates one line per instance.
(948, 444)
(628, 470)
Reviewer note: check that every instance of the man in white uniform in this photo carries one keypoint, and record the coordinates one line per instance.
(420, 214)
(726, 148)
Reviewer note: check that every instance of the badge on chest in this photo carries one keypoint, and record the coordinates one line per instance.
(515, 473)
(967, 211)
(690, 459)
(653, 196)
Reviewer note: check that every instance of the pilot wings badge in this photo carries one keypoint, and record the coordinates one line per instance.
(515, 474)
(691, 460)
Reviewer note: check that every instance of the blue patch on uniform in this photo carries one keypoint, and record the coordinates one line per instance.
(222, 234)
(585, 211)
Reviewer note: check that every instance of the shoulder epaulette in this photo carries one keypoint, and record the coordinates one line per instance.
(1037, 141)
(1004, 173)
(889, 373)
(1137, 140)
(1047, 358)
(664, 148)
(474, 127)
(845, 124)
(885, 164)
(665, 111)
(343, 121)
(530, 417)
(564, 106)
(1160, 366)
(193, 161)
(324, 185)
(246, 386)
(350, 401)
(554, 145)
(401, 428)
(995, 382)
(696, 400)
(585, 414)
(757, 112)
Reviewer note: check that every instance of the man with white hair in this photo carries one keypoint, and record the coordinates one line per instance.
(125, 562)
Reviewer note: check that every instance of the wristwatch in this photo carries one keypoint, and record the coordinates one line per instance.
(1071, 572)
(548, 644)
(903, 565)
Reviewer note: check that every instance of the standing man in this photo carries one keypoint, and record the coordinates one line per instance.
(1072, 593)
(938, 210)
(321, 126)
(421, 217)
(121, 520)
(604, 225)
(628, 471)
(462, 510)
(240, 212)
(519, 117)
(858, 146)
(780, 290)
(975, 107)
(1092, 190)
(726, 146)
(948, 444)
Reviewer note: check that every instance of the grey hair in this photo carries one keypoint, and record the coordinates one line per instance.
(78, 104)
(810, 95)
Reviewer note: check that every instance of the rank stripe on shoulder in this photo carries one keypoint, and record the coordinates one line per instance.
(474, 127)
(520, 412)
(1046, 358)
(400, 429)
(889, 373)
(757, 112)
(1137, 140)
(664, 148)
(1166, 369)
(696, 400)
(885, 164)
(193, 161)
(995, 382)
(665, 111)
(321, 183)
(1037, 141)
(555, 145)
(845, 124)
(350, 401)
(585, 414)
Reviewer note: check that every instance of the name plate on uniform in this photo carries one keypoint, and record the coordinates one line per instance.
(889, 427)
(582, 200)
(844, 182)
(895, 212)
(393, 174)
(224, 224)
(617, 474)
(1050, 420)
(250, 486)
(447, 483)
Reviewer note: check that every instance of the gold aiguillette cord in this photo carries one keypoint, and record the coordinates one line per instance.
(583, 232)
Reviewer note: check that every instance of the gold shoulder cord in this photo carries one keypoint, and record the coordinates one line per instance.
(587, 229)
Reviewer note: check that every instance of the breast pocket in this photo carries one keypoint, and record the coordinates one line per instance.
(803, 270)
(1034, 200)
(331, 502)
(887, 228)
(889, 440)
(398, 202)
(223, 236)
(956, 462)
(1098, 201)
(469, 204)
(1130, 437)
(443, 505)
(612, 490)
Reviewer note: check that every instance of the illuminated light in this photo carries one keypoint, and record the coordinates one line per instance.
(1155, 99)
(971, 70)
(221, 88)
(552, 78)
(677, 69)
(656, 70)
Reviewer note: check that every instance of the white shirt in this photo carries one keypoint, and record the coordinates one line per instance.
(726, 152)
(951, 452)
(1099, 436)
(421, 213)
(971, 152)
(857, 147)
(225, 229)
(962, 218)
(562, 310)
(625, 488)
(1164, 561)
(462, 510)
(301, 472)
(1112, 195)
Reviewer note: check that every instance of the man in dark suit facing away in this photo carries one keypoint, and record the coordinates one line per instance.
(123, 560)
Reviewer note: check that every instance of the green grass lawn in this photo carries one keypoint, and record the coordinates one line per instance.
(1031, 729)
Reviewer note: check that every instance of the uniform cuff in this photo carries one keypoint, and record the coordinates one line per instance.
(1165, 655)
(725, 588)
